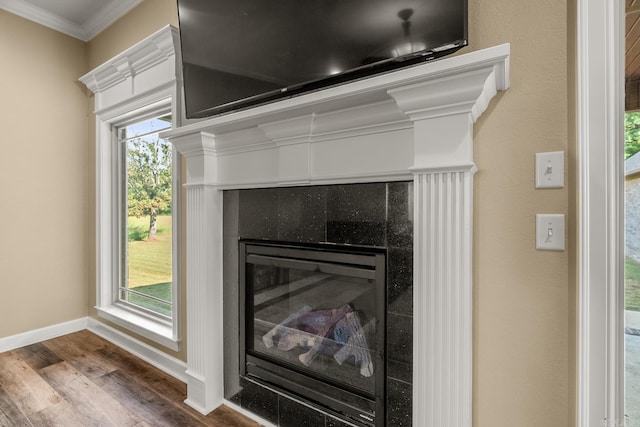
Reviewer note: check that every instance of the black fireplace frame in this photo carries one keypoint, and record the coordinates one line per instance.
(343, 401)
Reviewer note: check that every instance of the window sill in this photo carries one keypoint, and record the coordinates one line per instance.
(152, 329)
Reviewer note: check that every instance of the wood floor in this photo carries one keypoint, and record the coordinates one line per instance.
(82, 380)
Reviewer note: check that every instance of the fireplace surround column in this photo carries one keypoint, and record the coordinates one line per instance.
(442, 250)
(443, 289)
(205, 369)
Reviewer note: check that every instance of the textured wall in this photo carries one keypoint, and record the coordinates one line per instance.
(43, 177)
(522, 297)
(142, 21)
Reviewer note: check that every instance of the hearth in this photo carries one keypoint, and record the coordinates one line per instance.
(314, 324)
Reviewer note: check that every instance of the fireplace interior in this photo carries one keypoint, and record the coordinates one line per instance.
(314, 323)
(318, 299)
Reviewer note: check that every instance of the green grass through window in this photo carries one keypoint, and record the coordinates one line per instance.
(159, 290)
(150, 263)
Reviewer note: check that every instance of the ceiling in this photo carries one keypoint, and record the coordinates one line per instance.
(82, 19)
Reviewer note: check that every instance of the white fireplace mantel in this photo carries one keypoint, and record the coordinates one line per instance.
(415, 123)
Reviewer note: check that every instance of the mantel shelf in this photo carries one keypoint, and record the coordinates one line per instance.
(382, 128)
(358, 93)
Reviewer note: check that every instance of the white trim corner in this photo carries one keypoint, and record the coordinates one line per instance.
(166, 363)
(600, 389)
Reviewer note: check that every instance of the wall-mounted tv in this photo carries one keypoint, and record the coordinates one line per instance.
(241, 53)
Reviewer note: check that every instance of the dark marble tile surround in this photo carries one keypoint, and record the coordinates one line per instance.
(376, 214)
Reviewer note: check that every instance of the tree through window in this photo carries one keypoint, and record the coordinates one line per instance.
(146, 219)
(631, 134)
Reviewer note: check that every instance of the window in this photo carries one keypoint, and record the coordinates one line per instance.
(145, 217)
(137, 269)
(138, 222)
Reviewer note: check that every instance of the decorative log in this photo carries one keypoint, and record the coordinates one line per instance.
(281, 328)
(324, 330)
(356, 346)
(336, 315)
(302, 331)
(296, 338)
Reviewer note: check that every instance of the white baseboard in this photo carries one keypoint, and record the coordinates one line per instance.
(172, 366)
(42, 334)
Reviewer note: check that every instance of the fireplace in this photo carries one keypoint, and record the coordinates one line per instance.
(292, 253)
(313, 324)
(414, 124)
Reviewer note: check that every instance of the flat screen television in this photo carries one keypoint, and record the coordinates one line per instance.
(241, 53)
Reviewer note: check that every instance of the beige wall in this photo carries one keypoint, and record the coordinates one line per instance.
(144, 20)
(523, 363)
(524, 336)
(43, 177)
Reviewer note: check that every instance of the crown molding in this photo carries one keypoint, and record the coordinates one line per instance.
(110, 12)
(149, 52)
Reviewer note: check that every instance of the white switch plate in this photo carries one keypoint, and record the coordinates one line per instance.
(550, 232)
(550, 169)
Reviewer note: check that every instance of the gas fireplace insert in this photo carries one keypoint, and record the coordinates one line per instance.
(312, 324)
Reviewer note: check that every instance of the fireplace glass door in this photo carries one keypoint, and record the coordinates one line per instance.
(314, 323)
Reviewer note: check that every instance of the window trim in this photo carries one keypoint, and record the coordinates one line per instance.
(108, 236)
(600, 248)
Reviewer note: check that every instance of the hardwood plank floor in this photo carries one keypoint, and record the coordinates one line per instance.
(83, 380)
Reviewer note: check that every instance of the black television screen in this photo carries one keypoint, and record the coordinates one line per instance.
(240, 53)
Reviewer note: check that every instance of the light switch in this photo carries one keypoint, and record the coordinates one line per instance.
(550, 169)
(550, 232)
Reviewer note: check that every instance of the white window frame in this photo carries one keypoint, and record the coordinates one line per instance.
(139, 82)
(109, 229)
